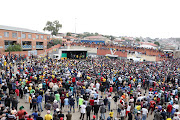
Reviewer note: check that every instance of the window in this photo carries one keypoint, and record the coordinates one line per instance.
(47, 37)
(37, 36)
(6, 34)
(42, 37)
(29, 36)
(23, 35)
(14, 35)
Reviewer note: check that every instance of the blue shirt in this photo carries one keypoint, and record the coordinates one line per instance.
(95, 95)
(66, 101)
(71, 88)
(39, 99)
(35, 115)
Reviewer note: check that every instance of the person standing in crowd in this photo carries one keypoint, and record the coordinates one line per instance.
(39, 117)
(82, 111)
(35, 115)
(68, 116)
(14, 103)
(55, 105)
(48, 116)
(57, 97)
(102, 111)
(66, 103)
(144, 113)
(34, 102)
(72, 103)
(21, 112)
(111, 115)
(39, 103)
(88, 111)
(96, 109)
(81, 100)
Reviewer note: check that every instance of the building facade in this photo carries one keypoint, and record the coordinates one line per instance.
(28, 39)
(95, 39)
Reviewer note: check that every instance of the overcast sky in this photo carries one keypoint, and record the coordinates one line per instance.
(146, 18)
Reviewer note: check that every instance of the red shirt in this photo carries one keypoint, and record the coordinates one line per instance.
(62, 99)
(21, 114)
(29, 118)
(74, 79)
(91, 102)
(169, 108)
(17, 92)
(55, 80)
(111, 89)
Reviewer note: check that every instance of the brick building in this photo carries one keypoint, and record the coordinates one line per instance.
(29, 39)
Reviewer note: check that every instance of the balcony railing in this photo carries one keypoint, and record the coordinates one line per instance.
(6, 46)
(27, 46)
(39, 46)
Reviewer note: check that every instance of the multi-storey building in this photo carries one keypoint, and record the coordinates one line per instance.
(28, 39)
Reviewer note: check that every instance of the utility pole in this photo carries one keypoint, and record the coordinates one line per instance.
(75, 26)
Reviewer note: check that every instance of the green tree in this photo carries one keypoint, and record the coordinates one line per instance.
(15, 47)
(157, 43)
(123, 38)
(54, 42)
(53, 27)
(96, 34)
(137, 40)
(68, 34)
(111, 37)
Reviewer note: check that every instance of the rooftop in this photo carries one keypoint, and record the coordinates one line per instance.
(3, 27)
(94, 37)
(147, 43)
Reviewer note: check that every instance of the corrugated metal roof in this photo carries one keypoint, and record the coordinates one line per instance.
(3, 27)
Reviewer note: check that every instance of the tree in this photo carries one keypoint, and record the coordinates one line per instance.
(68, 34)
(157, 43)
(96, 34)
(111, 37)
(137, 39)
(53, 27)
(15, 47)
(54, 42)
(123, 38)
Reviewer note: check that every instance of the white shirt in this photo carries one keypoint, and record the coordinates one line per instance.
(83, 109)
(176, 118)
(120, 80)
(123, 112)
(97, 86)
(176, 106)
(109, 99)
(55, 87)
(144, 111)
(128, 108)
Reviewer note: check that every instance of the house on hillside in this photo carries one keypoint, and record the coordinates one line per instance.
(148, 45)
(96, 39)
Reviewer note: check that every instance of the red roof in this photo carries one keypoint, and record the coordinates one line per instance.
(118, 40)
(147, 43)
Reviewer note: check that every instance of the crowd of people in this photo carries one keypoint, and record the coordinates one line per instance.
(95, 88)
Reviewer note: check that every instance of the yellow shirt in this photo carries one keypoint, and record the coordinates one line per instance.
(168, 119)
(30, 99)
(5, 63)
(111, 114)
(30, 88)
(48, 117)
(104, 80)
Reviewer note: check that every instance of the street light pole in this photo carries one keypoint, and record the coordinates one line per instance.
(75, 26)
